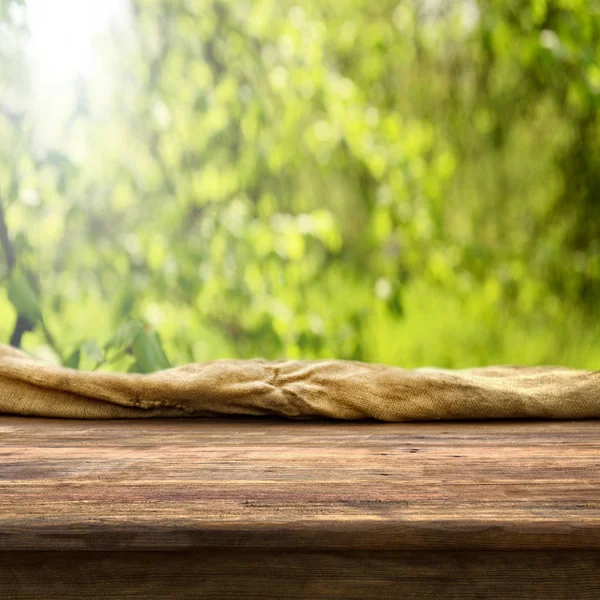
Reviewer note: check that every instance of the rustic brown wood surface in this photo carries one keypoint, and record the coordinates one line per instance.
(326, 508)
(112, 485)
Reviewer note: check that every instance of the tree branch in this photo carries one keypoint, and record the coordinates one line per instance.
(22, 324)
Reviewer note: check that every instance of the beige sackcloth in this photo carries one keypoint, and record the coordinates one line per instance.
(297, 389)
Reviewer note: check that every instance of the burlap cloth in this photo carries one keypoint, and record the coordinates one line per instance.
(298, 390)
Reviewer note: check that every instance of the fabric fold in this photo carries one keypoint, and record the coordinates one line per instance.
(296, 389)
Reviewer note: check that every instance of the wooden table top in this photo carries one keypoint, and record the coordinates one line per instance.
(268, 483)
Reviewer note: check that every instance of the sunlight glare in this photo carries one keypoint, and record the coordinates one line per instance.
(63, 35)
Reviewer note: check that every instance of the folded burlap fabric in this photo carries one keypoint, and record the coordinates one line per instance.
(295, 389)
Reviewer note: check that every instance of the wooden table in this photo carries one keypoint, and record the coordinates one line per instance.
(272, 509)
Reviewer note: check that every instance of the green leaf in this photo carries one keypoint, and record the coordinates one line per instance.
(124, 305)
(124, 336)
(395, 304)
(91, 349)
(23, 297)
(73, 360)
(149, 353)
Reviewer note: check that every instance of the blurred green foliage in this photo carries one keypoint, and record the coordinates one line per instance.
(411, 182)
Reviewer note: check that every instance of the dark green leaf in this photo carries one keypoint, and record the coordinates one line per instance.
(148, 352)
(23, 297)
(73, 359)
(124, 336)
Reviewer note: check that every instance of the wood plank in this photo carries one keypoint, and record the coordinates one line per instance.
(266, 483)
(222, 574)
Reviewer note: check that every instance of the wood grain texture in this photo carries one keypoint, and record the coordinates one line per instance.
(268, 484)
(227, 574)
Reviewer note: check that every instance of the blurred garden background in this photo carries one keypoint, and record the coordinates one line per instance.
(413, 182)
